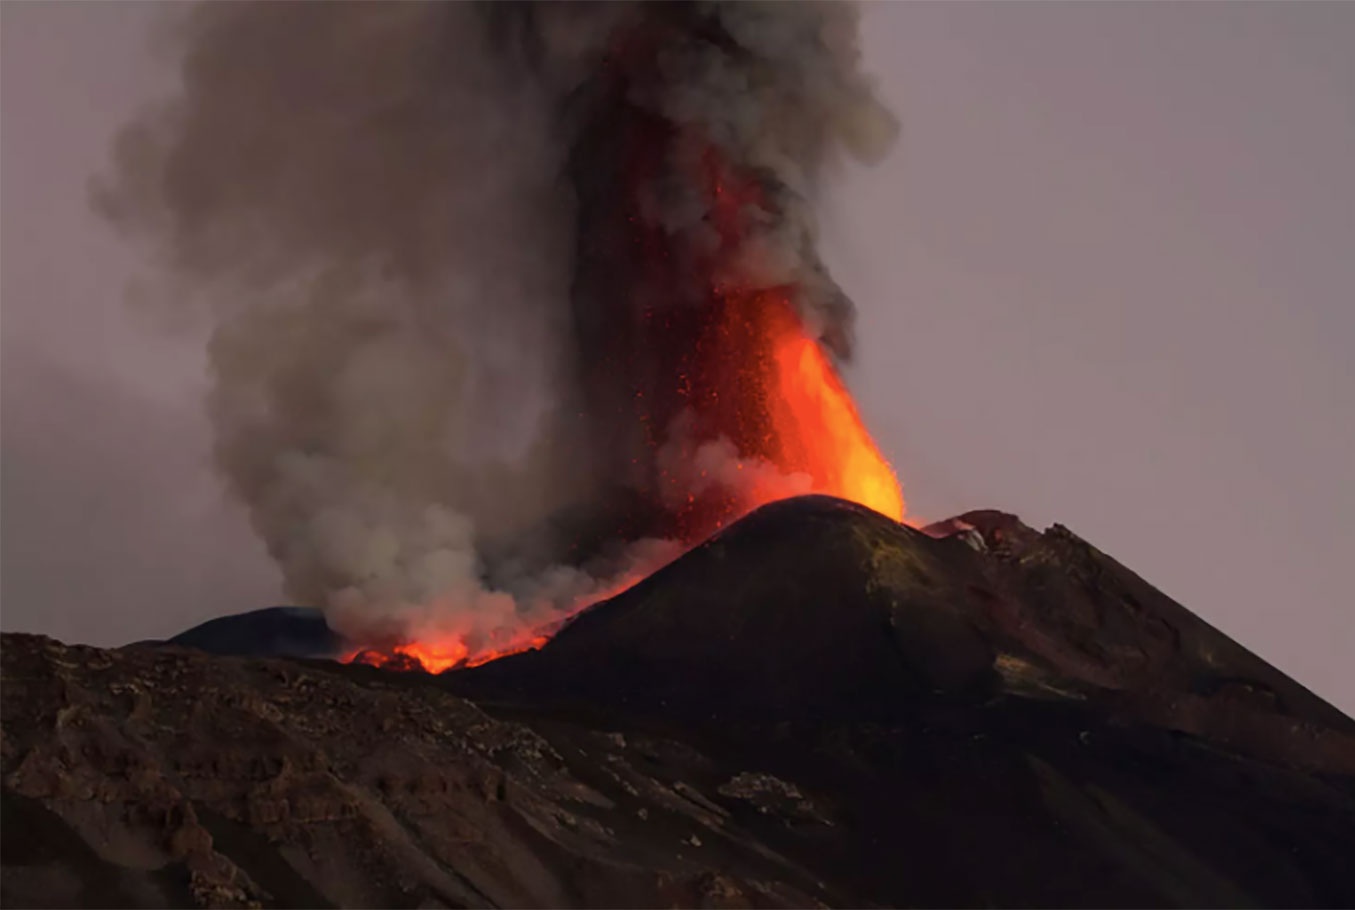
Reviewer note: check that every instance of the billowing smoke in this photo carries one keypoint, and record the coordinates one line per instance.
(465, 266)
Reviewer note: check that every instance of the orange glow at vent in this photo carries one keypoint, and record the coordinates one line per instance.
(818, 428)
(434, 656)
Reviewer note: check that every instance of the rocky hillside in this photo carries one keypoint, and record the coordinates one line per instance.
(816, 707)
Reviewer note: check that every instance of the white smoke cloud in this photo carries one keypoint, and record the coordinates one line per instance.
(371, 201)
(378, 229)
(694, 467)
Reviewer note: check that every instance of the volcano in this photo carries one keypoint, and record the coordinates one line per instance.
(816, 706)
(510, 305)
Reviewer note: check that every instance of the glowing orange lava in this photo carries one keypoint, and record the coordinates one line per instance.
(435, 656)
(764, 385)
(770, 387)
(437, 653)
(817, 426)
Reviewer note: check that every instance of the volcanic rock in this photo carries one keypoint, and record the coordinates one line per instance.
(816, 707)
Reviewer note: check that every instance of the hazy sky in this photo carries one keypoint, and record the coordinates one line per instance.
(1107, 279)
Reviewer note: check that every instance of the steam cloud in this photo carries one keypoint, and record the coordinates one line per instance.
(403, 220)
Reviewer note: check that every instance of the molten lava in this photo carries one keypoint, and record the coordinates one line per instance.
(766, 387)
(747, 372)
(434, 656)
(435, 653)
(817, 426)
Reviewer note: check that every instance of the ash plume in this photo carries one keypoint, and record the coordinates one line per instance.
(434, 241)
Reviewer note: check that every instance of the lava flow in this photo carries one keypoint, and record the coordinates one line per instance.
(434, 656)
(436, 653)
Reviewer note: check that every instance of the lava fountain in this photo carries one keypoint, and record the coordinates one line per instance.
(753, 382)
(710, 332)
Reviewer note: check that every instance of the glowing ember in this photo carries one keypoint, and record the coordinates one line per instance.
(436, 654)
(751, 374)
(433, 656)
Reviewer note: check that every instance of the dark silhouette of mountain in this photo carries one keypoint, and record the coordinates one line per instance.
(270, 632)
(816, 607)
(818, 706)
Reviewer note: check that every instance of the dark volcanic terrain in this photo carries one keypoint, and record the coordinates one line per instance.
(816, 707)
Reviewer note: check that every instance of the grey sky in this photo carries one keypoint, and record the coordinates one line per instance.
(1106, 279)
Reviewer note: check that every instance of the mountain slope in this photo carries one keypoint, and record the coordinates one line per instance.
(270, 632)
(818, 706)
(816, 606)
